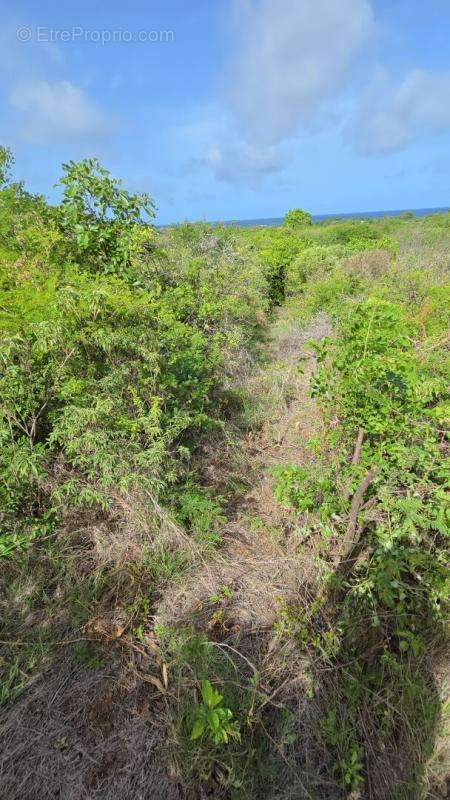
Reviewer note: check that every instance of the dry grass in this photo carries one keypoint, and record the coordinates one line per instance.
(82, 733)
(261, 562)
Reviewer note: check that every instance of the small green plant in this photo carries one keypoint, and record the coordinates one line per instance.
(201, 512)
(224, 594)
(213, 720)
(307, 491)
(349, 763)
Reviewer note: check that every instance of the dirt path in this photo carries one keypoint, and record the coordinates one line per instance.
(261, 562)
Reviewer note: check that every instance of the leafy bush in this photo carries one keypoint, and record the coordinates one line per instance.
(296, 218)
(382, 380)
(113, 343)
(276, 256)
(98, 218)
(6, 163)
(311, 261)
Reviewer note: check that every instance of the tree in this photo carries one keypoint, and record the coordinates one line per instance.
(99, 218)
(6, 163)
(296, 218)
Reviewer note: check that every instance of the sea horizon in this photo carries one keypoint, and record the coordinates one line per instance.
(274, 221)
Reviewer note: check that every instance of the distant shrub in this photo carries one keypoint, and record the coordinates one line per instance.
(297, 218)
(312, 260)
(277, 256)
(355, 235)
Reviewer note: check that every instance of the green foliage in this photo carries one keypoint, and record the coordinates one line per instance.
(212, 719)
(342, 737)
(86, 655)
(383, 373)
(118, 346)
(98, 218)
(297, 218)
(199, 511)
(6, 163)
(355, 235)
(311, 261)
(28, 235)
(113, 349)
(376, 367)
(230, 746)
(373, 379)
(305, 490)
(276, 256)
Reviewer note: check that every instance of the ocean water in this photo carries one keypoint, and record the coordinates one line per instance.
(272, 221)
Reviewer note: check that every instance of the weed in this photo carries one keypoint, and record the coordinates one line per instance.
(212, 719)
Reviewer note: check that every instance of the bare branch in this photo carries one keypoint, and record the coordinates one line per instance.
(349, 538)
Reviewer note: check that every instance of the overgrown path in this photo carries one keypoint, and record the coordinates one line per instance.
(88, 730)
(260, 563)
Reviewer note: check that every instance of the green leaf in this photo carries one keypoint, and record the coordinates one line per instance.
(198, 729)
(211, 697)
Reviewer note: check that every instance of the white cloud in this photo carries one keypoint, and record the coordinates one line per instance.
(241, 163)
(57, 111)
(21, 59)
(291, 55)
(213, 141)
(392, 115)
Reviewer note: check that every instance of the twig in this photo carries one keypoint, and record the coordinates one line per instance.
(349, 538)
(358, 445)
(355, 459)
(221, 645)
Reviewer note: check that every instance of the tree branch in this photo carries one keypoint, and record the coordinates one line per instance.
(349, 538)
(355, 459)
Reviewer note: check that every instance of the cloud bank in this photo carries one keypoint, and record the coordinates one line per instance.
(391, 115)
(290, 60)
(241, 163)
(57, 111)
(292, 63)
(291, 55)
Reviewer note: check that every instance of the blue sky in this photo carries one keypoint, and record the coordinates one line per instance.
(227, 109)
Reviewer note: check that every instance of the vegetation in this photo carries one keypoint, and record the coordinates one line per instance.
(297, 217)
(288, 646)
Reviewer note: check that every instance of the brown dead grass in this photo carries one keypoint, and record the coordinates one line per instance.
(261, 561)
(82, 734)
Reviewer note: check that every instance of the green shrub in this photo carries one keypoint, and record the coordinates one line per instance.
(6, 163)
(311, 261)
(113, 346)
(297, 218)
(376, 377)
(98, 218)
